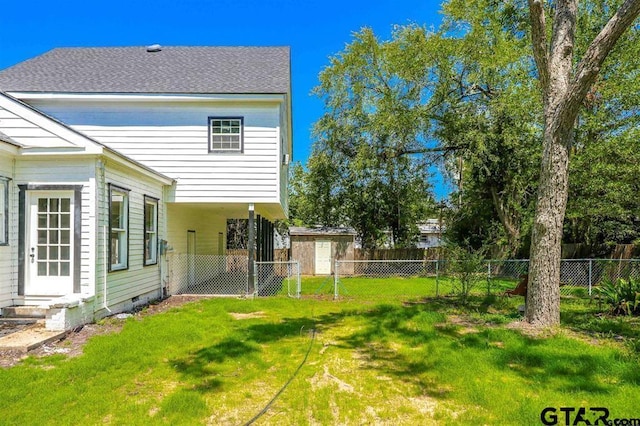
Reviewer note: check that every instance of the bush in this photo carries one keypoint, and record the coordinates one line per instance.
(467, 268)
(622, 296)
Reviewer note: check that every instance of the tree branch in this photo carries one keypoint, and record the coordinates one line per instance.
(539, 42)
(589, 66)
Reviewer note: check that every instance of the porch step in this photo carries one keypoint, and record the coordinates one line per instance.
(24, 312)
(20, 321)
(29, 338)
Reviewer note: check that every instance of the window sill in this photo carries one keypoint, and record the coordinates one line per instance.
(118, 268)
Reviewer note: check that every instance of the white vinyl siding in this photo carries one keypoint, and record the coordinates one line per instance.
(29, 134)
(119, 287)
(209, 224)
(174, 140)
(4, 210)
(8, 251)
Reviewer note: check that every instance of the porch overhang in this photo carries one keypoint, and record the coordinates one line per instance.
(270, 211)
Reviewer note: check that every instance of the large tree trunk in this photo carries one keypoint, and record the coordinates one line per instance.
(563, 90)
(543, 298)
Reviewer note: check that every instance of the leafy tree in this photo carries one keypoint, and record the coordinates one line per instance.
(603, 207)
(490, 116)
(371, 138)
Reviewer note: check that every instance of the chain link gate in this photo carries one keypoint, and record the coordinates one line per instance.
(274, 278)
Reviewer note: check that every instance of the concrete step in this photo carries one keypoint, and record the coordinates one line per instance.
(29, 338)
(20, 320)
(24, 312)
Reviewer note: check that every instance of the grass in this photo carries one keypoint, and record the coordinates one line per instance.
(369, 361)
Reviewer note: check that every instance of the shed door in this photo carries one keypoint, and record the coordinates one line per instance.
(323, 258)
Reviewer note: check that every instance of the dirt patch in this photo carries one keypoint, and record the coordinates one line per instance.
(250, 315)
(326, 379)
(72, 343)
(531, 330)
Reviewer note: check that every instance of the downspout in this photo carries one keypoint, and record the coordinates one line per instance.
(105, 240)
(104, 269)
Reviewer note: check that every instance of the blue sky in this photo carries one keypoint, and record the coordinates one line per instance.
(314, 29)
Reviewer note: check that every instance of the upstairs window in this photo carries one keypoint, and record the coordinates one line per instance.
(226, 134)
(118, 228)
(150, 230)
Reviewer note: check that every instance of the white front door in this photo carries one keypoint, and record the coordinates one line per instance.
(50, 243)
(323, 257)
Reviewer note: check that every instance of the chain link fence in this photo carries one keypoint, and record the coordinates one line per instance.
(229, 276)
(365, 277)
(370, 278)
(208, 274)
(278, 278)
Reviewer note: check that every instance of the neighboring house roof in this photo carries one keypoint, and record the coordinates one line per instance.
(222, 70)
(321, 230)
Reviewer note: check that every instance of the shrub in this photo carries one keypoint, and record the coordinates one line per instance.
(622, 296)
(467, 268)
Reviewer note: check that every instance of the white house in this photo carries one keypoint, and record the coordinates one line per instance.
(109, 156)
(430, 233)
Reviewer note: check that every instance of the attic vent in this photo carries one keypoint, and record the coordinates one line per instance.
(154, 48)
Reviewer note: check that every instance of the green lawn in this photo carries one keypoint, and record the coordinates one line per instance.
(398, 361)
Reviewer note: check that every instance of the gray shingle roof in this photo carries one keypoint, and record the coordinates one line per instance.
(171, 70)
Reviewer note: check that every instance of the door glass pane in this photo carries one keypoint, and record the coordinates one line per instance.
(53, 253)
(53, 220)
(42, 237)
(64, 237)
(54, 205)
(42, 205)
(42, 269)
(65, 221)
(53, 269)
(42, 221)
(64, 253)
(53, 237)
(65, 205)
(42, 252)
(64, 269)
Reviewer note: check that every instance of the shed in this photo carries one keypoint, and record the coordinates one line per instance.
(318, 248)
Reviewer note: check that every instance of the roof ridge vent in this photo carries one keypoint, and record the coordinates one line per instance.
(154, 48)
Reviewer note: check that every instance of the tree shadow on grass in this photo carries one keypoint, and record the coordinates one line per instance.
(550, 361)
(384, 329)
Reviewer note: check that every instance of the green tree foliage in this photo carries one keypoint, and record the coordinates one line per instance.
(501, 131)
(492, 118)
(370, 161)
(466, 96)
(604, 207)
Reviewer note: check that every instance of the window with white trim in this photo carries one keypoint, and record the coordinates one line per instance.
(4, 210)
(226, 134)
(150, 230)
(118, 228)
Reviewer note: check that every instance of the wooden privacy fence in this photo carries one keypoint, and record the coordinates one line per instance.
(398, 254)
(279, 255)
